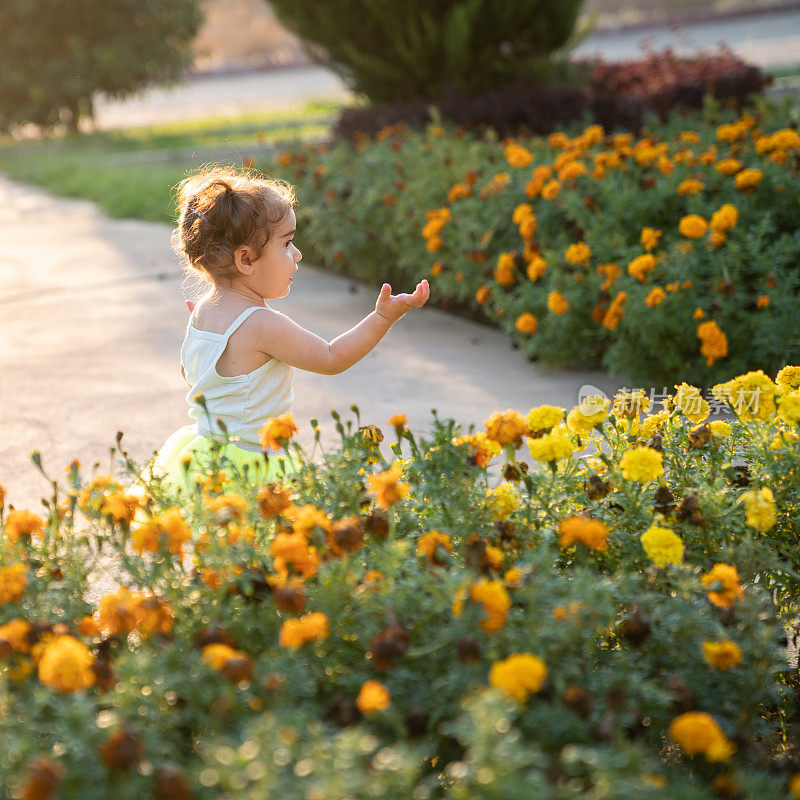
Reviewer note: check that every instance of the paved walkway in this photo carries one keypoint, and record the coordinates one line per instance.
(92, 318)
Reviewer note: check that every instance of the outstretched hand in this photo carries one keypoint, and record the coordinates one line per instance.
(392, 306)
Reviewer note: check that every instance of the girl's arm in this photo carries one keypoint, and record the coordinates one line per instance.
(281, 338)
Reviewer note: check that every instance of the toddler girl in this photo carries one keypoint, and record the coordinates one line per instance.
(235, 230)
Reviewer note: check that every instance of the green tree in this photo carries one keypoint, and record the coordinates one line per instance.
(395, 50)
(56, 54)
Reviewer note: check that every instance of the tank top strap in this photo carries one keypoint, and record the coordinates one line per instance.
(239, 320)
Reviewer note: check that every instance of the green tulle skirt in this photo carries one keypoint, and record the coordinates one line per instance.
(186, 458)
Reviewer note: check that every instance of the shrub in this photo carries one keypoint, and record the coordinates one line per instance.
(421, 627)
(495, 225)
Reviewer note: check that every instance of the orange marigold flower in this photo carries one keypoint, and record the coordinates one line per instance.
(693, 226)
(308, 628)
(572, 170)
(578, 253)
(728, 166)
(698, 313)
(526, 323)
(723, 586)
(714, 341)
(748, 179)
(722, 655)
(557, 303)
(22, 523)
(551, 189)
(428, 543)
(590, 532)
(536, 268)
(690, 186)
(698, 733)
(724, 218)
(762, 302)
(482, 295)
(650, 237)
(272, 500)
(641, 266)
(66, 665)
(276, 431)
(516, 155)
(519, 675)
(434, 244)
(15, 633)
(656, 295)
(506, 427)
(13, 580)
(457, 192)
(387, 486)
(167, 528)
(496, 602)
(614, 313)
(374, 696)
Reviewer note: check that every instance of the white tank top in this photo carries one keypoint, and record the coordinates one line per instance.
(243, 402)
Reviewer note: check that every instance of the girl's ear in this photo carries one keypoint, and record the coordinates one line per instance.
(243, 259)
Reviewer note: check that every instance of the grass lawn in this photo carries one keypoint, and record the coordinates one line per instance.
(130, 172)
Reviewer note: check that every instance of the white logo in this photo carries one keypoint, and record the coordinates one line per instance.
(591, 400)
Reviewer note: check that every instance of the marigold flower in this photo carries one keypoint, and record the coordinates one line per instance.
(434, 244)
(217, 654)
(641, 266)
(724, 218)
(615, 311)
(714, 341)
(557, 303)
(690, 186)
(571, 171)
(543, 418)
(13, 580)
(226, 507)
(723, 586)
(276, 431)
(590, 532)
(519, 676)
(698, 733)
(642, 464)
(94, 493)
(717, 238)
(387, 486)
(536, 268)
(789, 407)
(728, 166)
(373, 696)
(788, 379)
(21, 523)
(794, 786)
(272, 500)
(722, 655)
(719, 428)
(496, 602)
(693, 226)
(688, 400)
(527, 228)
(504, 500)
(752, 395)
(552, 446)
(630, 404)
(482, 295)
(662, 546)
(760, 508)
(308, 628)
(66, 665)
(650, 237)
(428, 543)
(655, 296)
(167, 528)
(117, 612)
(506, 427)
(15, 633)
(120, 507)
(526, 323)
(457, 192)
(588, 414)
(748, 179)
(578, 253)
(43, 777)
(521, 212)
(551, 189)
(516, 155)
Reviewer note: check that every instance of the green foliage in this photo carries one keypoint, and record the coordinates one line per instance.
(364, 208)
(393, 51)
(57, 53)
(622, 640)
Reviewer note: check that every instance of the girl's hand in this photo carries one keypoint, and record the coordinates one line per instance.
(392, 307)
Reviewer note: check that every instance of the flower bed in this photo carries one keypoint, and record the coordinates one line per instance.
(663, 257)
(451, 623)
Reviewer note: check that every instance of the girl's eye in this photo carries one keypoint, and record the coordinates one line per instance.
(289, 242)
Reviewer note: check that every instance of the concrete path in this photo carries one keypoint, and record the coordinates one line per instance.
(92, 318)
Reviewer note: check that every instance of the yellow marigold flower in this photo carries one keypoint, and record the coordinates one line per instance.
(117, 613)
(690, 186)
(697, 733)
(428, 543)
(398, 420)
(496, 602)
(482, 448)
(725, 218)
(720, 429)
(588, 414)
(688, 400)
(517, 155)
(641, 265)
(519, 676)
(296, 632)
(752, 395)
(572, 170)
(503, 500)
(374, 696)
(630, 404)
(642, 464)
(536, 268)
(513, 577)
(748, 178)
(557, 303)
(794, 786)
(662, 546)
(167, 528)
(13, 580)
(276, 431)
(590, 532)
(216, 655)
(760, 508)
(693, 226)
(578, 253)
(66, 665)
(521, 212)
(650, 237)
(93, 494)
(789, 407)
(731, 132)
(728, 166)
(15, 633)
(387, 486)
(153, 615)
(714, 342)
(723, 586)
(526, 323)
(655, 296)
(495, 557)
(542, 418)
(653, 423)
(722, 655)
(21, 523)
(506, 427)
(120, 507)
(552, 446)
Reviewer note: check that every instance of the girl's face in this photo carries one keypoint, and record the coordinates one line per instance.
(272, 273)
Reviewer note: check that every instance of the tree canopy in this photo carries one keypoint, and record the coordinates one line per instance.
(56, 54)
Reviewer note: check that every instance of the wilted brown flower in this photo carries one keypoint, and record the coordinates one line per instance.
(578, 701)
(43, 776)
(388, 644)
(122, 750)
